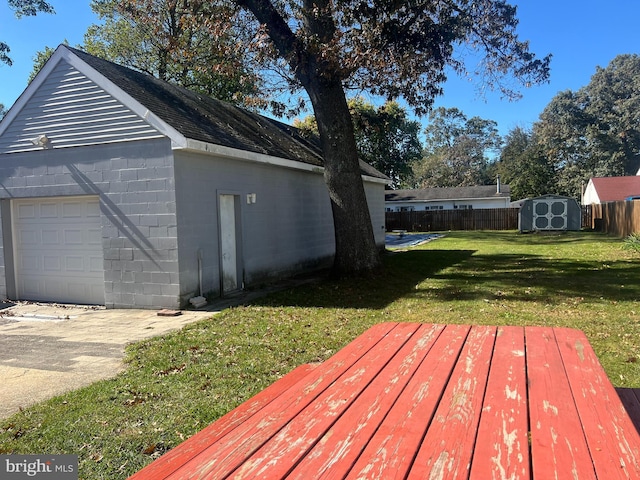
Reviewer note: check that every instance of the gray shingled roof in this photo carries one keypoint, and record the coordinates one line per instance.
(202, 118)
(452, 193)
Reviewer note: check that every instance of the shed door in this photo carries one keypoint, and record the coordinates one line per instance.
(58, 250)
(550, 214)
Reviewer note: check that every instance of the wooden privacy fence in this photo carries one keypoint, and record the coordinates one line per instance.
(617, 218)
(438, 220)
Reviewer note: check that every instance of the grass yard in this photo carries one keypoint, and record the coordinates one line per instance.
(177, 384)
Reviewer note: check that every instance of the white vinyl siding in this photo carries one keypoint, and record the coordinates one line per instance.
(71, 110)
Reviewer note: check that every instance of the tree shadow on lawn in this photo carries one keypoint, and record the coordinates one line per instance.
(499, 276)
(402, 272)
(537, 279)
(542, 238)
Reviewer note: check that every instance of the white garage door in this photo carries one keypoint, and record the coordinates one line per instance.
(58, 250)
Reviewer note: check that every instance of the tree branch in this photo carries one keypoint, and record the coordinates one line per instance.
(281, 35)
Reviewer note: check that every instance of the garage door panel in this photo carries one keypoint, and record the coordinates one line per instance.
(96, 264)
(26, 211)
(48, 210)
(73, 237)
(94, 237)
(29, 237)
(51, 264)
(58, 250)
(50, 237)
(74, 264)
(29, 264)
(31, 288)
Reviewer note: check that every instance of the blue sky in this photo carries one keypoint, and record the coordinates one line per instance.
(580, 34)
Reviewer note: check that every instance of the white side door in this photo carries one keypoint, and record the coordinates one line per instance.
(228, 243)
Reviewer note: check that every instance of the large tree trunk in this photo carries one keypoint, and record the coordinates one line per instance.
(356, 251)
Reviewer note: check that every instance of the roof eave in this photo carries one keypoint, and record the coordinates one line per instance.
(213, 149)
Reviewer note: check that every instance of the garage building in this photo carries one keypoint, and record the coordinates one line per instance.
(122, 190)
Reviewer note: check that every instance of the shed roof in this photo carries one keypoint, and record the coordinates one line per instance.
(615, 189)
(447, 193)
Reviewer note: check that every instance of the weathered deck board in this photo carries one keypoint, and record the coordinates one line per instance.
(190, 454)
(395, 443)
(447, 448)
(177, 457)
(607, 427)
(336, 451)
(428, 401)
(241, 443)
(274, 459)
(502, 444)
(558, 445)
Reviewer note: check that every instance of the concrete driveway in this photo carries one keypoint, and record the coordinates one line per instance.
(48, 349)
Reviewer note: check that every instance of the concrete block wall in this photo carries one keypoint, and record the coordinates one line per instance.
(140, 231)
(197, 183)
(135, 184)
(288, 229)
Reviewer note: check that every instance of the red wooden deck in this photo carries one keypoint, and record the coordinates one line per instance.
(420, 401)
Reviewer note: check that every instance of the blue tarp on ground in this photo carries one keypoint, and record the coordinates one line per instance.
(408, 239)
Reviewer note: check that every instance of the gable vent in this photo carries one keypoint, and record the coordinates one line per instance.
(71, 110)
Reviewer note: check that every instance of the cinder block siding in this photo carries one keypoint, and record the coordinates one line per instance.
(197, 224)
(134, 181)
(289, 227)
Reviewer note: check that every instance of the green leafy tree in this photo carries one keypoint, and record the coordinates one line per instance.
(594, 131)
(191, 43)
(458, 150)
(391, 49)
(561, 135)
(3, 111)
(614, 104)
(385, 137)
(524, 167)
(40, 59)
(23, 8)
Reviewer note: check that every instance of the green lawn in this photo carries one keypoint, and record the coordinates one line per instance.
(177, 384)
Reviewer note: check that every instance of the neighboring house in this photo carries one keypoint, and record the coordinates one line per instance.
(455, 198)
(123, 190)
(611, 189)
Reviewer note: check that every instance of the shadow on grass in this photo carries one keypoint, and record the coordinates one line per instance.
(541, 238)
(401, 273)
(514, 277)
(537, 279)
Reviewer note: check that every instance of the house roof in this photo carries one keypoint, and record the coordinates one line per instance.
(615, 189)
(449, 193)
(201, 118)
